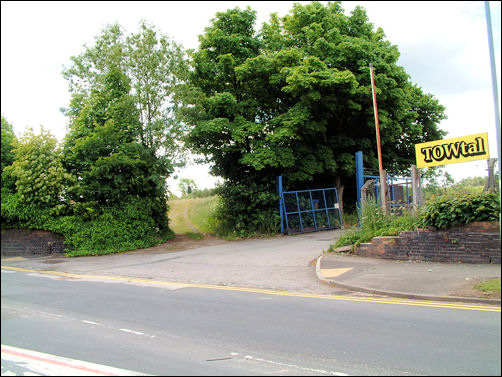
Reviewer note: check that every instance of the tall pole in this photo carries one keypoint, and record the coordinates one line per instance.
(495, 91)
(383, 178)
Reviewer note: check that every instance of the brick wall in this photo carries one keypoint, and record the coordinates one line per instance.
(477, 242)
(32, 242)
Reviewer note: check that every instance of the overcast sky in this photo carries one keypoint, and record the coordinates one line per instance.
(443, 46)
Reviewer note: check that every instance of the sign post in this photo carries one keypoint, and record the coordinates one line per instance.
(383, 178)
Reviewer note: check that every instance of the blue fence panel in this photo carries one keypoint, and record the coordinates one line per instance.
(310, 210)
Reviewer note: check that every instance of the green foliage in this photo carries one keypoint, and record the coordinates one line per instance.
(126, 226)
(105, 192)
(295, 100)
(102, 149)
(441, 212)
(375, 224)
(187, 186)
(349, 219)
(458, 208)
(16, 213)
(8, 155)
(203, 193)
(41, 180)
(254, 208)
(154, 65)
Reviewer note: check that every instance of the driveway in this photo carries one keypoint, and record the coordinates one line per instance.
(281, 263)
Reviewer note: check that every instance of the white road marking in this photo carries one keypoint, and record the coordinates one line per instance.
(296, 366)
(132, 331)
(92, 323)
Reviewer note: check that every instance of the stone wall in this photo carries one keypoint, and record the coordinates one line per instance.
(31, 242)
(477, 242)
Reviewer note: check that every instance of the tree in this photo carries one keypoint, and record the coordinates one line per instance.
(41, 180)
(155, 66)
(295, 100)
(102, 150)
(187, 186)
(8, 142)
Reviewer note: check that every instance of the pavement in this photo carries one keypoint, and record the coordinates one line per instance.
(287, 263)
(419, 280)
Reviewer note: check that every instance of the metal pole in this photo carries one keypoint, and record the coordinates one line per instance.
(494, 77)
(359, 175)
(279, 189)
(383, 181)
(495, 92)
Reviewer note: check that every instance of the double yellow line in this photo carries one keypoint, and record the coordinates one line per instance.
(489, 308)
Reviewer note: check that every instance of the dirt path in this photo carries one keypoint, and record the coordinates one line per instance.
(178, 243)
(190, 225)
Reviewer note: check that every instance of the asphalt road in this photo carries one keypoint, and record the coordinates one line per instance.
(187, 330)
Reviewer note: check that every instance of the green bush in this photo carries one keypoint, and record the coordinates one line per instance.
(440, 212)
(247, 208)
(375, 224)
(128, 226)
(460, 208)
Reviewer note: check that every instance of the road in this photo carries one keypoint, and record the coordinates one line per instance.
(177, 329)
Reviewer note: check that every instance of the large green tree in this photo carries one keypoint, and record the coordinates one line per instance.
(295, 100)
(155, 66)
(103, 151)
(8, 156)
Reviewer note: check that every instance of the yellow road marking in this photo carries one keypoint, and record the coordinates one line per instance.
(14, 259)
(490, 308)
(334, 272)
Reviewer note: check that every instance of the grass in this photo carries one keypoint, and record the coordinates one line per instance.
(375, 224)
(201, 214)
(197, 212)
(177, 221)
(349, 219)
(195, 236)
(492, 285)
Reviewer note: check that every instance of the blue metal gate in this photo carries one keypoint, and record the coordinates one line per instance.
(309, 210)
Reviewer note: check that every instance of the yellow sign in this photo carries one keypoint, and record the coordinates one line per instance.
(451, 151)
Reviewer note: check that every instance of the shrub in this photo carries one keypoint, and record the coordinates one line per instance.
(40, 178)
(440, 212)
(456, 209)
(247, 208)
(128, 226)
(375, 224)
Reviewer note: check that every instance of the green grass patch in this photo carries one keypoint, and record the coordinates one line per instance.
(176, 214)
(199, 212)
(194, 236)
(492, 285)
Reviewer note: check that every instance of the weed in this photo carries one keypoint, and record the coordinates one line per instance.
(194, 236)
(492, 285)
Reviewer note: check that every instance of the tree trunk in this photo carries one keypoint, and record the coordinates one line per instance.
(339, 188)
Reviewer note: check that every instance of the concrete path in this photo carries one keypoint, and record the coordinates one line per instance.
(282, 263)
(408, 279)
(287, 263)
